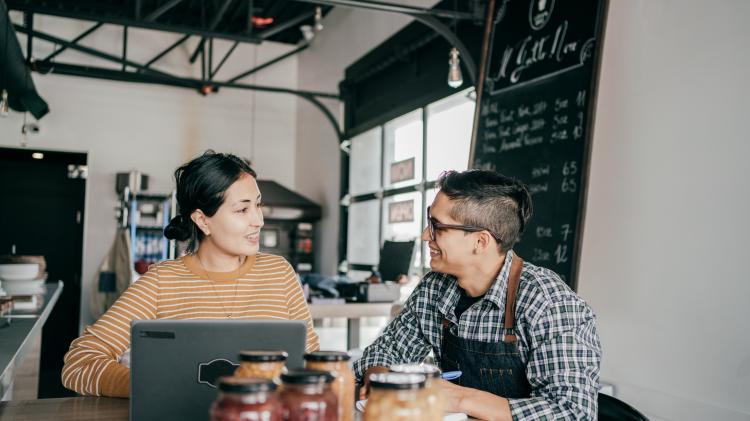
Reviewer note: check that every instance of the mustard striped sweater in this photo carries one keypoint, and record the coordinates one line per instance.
(267, 288)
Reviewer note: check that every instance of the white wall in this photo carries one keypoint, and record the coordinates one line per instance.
(152, 128)
(664, 259)
(348, 35)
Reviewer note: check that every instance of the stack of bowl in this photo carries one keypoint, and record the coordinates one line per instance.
(22, 275)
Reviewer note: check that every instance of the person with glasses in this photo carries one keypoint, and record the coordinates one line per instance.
(526, 345)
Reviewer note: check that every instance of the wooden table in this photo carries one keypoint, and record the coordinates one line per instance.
(66, 409)
(352, 312)
(75, 409)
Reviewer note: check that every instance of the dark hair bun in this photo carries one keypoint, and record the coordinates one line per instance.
(178, 228)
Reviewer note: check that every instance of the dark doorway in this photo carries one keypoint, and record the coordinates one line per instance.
(42, 195)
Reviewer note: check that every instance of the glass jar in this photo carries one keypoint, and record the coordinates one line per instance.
(433, 391)
(337, 363)
(397, 397)
(262, 364)
(307, 396)
(243, 399)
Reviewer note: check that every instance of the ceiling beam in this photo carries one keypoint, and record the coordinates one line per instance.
(223, 60)
(75, 40)
(166, 51)
(87, 50)
(268, 63)
(396, 8)
(268, 33)
(164, 8)
(44, 8)
(158, 79)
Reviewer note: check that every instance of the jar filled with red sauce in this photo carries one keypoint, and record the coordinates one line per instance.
(307, 396)
(246, 398)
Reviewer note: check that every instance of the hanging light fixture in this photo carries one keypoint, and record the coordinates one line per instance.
(455, 77)
(318, 19)
(4, 107)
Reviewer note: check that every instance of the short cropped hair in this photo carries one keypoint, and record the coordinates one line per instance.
(489, 200)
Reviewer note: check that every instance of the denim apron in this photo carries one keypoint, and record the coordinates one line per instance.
(496, 368)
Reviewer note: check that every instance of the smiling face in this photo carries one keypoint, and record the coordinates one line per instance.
(452, 250)
(235, 227)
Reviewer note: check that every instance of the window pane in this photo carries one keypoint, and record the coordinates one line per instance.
(402, 163)
(429, 197)
(402, 217)
(365, 163)
(449, 124)
(402, 221)
(363, 245)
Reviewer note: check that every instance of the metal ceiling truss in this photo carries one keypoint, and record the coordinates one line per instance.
(145, 73)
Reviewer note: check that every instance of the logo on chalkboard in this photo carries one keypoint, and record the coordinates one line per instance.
(539, 13)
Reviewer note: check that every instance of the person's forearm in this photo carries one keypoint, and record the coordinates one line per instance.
(484, 405)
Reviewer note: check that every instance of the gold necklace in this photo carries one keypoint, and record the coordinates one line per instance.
(212, 282)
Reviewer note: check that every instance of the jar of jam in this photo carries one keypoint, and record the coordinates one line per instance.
(243, 399)
(397, 397)
(433, 391)
(307, 396)
(337, 363)
(262, 364)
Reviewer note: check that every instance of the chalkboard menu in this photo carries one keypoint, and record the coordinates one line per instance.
(534, 116)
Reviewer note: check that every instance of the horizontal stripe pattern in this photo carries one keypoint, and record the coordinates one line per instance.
(268, 289)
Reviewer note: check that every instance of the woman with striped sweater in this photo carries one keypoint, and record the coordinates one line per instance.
(222, 276)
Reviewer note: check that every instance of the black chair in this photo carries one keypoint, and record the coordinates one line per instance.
(613, 409)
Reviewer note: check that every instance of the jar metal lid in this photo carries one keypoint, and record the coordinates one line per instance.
(428, 370)
(263, 356)
(233, 384)
(307, 377)
(327, 356)
(397, 381)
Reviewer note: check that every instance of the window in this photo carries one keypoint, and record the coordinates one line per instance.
(402, 163)
(449, 123)
(365, 162)
(390, 191)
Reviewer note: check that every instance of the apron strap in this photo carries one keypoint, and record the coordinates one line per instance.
(510, 300)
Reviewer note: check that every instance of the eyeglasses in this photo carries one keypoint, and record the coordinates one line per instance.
(433, 225)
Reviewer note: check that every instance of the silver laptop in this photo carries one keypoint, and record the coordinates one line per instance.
(174, 364)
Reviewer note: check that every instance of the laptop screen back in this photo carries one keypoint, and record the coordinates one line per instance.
(175, 363)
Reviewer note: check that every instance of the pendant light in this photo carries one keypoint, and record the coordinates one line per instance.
(455, 77)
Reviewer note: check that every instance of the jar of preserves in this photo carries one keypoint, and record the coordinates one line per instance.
(337, 363)
(262, 364)
(432, 389)
(307, 396)
(397, 397)
(243, 399)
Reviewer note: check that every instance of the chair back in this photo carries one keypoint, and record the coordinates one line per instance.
(613, 409)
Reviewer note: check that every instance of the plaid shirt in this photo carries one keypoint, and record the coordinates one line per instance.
(556, 333)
